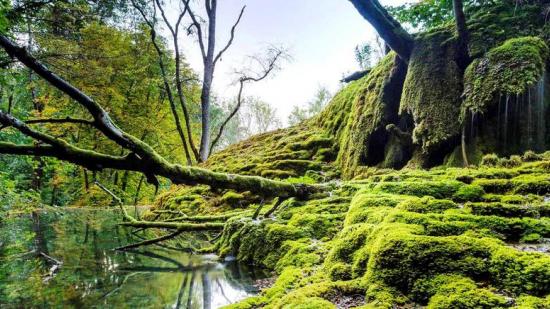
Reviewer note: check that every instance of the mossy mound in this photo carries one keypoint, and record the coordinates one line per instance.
(509, 69)
(433, 238)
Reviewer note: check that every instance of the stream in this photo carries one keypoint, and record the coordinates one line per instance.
(64, 259)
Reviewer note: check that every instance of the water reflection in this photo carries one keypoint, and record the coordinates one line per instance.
(54, 259)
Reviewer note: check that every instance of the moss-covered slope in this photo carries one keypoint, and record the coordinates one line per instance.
(280, 154)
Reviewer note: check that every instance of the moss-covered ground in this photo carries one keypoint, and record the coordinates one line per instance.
(442, 238)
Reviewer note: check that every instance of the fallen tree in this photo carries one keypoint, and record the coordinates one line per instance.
(139, 156)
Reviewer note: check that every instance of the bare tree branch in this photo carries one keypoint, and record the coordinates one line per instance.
(232, 36)
(166, 84)
(195, 23)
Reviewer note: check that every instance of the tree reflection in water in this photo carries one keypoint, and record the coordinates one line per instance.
(91, 274)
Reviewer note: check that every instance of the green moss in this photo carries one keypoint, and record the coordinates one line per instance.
(401, 259)
(316, 226)
(431, 238)
(494, 185)
(459, 292)
(535, 184)
(531, 302)
(438, 189)
(531, 238)
(232, 197)
(507, 210)
(531, 156)
(508, 69)
(513, 161)
(280, 154)
(362, 208)
(426, 205)
(489, 160)
(520, 272)
(258, 243)
(469, 193)
(367, 115)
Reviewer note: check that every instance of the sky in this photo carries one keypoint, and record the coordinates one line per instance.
(320, 36)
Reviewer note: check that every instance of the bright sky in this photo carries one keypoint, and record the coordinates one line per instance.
(320, 34)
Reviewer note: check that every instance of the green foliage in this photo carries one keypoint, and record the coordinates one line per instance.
(364, 55)
(4, 22)
(425, 14)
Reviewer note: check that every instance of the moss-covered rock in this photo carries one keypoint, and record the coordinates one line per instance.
(374, 101)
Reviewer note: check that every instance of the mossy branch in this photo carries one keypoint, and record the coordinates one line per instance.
(150, 241)
(185, 227)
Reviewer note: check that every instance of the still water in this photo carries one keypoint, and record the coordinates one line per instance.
(53, 259)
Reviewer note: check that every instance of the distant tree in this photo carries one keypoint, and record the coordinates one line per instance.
(312, 108)
(254, 117)
(263, 115)
(364, 55)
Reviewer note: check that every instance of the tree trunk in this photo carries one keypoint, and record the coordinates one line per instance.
(463, 55)
(387, 27)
